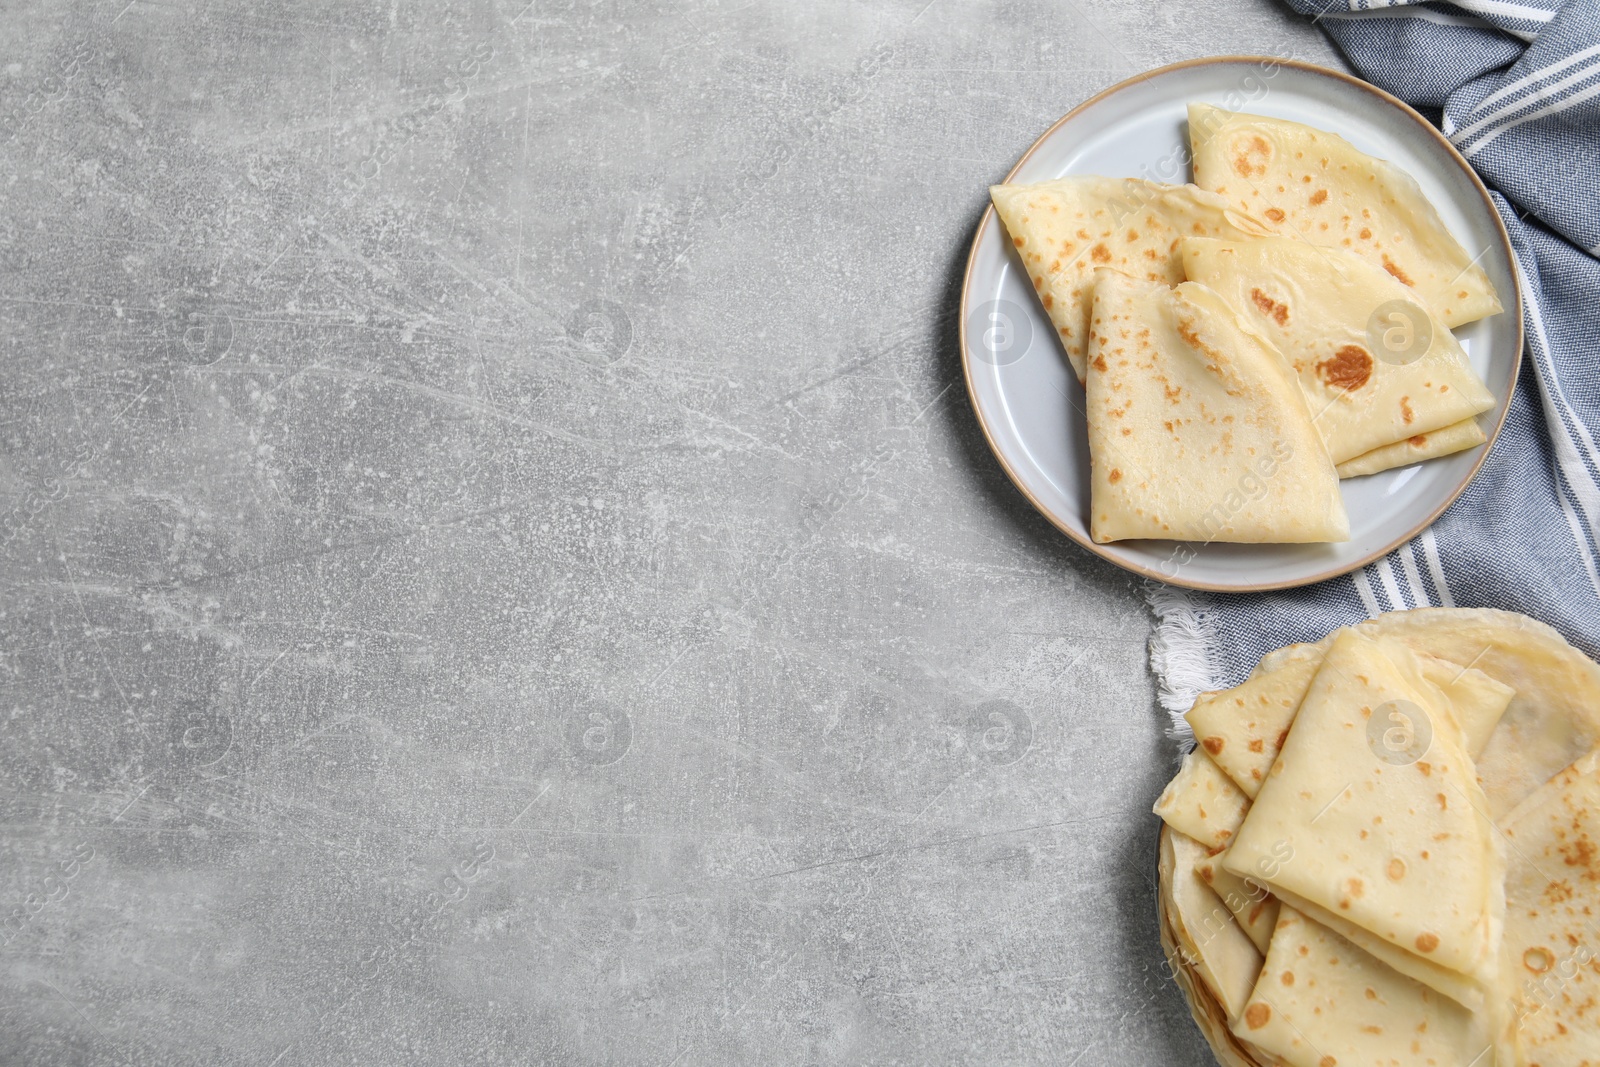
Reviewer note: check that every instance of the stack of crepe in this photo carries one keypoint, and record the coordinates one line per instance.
(1224, 331)
(1385, 849)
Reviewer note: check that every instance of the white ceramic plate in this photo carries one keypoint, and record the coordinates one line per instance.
(1031, 405)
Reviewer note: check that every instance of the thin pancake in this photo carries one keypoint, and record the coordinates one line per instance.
(1202, 802)
(1457, 437)
(1064, 229)
(1318, 306)
(1464, 990)
(1212, 942)
(1243, 728)
(1253, 908)
(1208, 1015)
(1196, 430)
(1397, 845)
(1319, 186)
(1321, 1001)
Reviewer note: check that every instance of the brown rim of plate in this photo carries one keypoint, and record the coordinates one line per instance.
(1333, 572)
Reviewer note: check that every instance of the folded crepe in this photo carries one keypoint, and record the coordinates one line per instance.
(1064, 229)
(1316, 185)
(1321, 1001)
(1197, 432)
(1400, 849)
(1470, 991)
(1552, 944)
(1253, 908)
(1243, 728)
(1208, 1014)
(1457, 437)
(1201, 802)
(1316, 305)
(1211, 941)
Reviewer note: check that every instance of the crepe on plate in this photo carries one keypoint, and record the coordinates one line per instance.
(1197, 432)
(1253, 907)
(1318, 186)
(1183, 955)
(1316, 306)
(1064, 230)
(1457, 437)
(1553, 718)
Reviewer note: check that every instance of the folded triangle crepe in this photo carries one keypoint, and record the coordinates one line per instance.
(1319, 187)
(1242, 728)
(1402, 850)
(1204, 1007)
(1064, 230)
(1468, 991)
(1552, 717)
(1316, 305)
(1552, 938)
(1457, 437)
(1197, 432)
(1321, 1001)
(1212, 942)
(1201, 802)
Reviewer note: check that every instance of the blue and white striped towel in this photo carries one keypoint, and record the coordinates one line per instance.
(1515, 84)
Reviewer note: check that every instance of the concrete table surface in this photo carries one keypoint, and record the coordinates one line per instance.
(499, 564)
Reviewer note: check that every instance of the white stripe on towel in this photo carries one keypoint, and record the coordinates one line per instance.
(1430, 552)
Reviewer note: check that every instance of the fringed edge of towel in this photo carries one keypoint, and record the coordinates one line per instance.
(1181, 653)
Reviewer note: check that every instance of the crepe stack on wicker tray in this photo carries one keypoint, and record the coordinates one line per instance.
(1248, 340)
(1385, 849)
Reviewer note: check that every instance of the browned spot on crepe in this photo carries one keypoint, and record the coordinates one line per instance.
(1349, 369)
(1400, 275)
(1275, 311)
(1245, 162)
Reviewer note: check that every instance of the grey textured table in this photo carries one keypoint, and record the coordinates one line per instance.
(499, 564)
